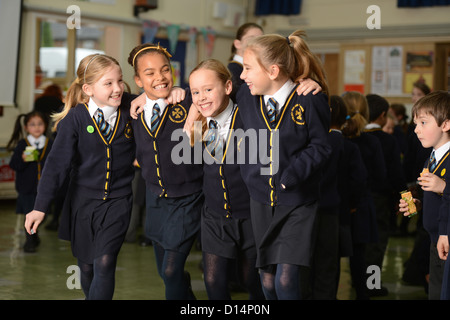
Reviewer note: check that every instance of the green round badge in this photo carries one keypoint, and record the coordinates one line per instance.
(90, 129)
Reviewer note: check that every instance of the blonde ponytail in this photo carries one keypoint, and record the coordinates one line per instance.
(291, 54)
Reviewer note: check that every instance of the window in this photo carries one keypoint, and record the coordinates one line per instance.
(60, 49)
(53, 49)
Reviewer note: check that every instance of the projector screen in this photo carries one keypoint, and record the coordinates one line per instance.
(10, 18)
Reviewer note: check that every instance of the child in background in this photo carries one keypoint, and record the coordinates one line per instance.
(364, 226)
(431, 115)
(244, 34)
(285, 191)
(417, 266)
(352, 185)
(227, 233)
(389, 191)
(174, 196)
(95, 145)
(342, 185)
(27, 161)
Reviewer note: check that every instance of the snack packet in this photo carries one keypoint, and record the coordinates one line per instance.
(407, 196)
(31, 154)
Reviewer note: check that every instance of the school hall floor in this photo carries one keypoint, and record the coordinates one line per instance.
(44, 275)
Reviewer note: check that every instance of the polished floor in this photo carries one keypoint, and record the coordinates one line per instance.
(48, 274)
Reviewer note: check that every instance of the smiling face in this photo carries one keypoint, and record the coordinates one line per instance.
(154, 75)
(209, 93)
(257, 79)
(428, 131)
(108, 90)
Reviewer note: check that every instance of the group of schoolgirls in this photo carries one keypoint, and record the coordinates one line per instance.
(261, 212)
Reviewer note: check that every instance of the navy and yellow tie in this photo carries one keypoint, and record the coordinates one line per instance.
(432, 163)
(272, 112)
(155, 118)
(213, 138)
(104, 127)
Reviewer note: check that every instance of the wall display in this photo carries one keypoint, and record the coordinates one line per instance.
(419, 67)
(354, 65)
(387, 70)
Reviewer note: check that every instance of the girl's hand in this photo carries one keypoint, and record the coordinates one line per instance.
(431, 182)
(442, 247)
(193, 115)
(176, 95)
(137, 106)
(33, 220)
(308, 85)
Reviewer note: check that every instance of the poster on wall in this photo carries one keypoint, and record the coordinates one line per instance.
(419, 67)
(354, 64)
(387, 73)
(379, 70)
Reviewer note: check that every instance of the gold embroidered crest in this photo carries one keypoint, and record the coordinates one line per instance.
(297, 113)
(177, 114)
(128, 130)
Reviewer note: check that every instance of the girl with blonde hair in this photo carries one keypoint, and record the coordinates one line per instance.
(95, 145)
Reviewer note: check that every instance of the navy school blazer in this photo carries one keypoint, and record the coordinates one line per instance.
(296, 149)
(98, 169)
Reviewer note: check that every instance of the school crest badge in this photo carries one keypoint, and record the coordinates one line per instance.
(177, 114)
(128, 130)
(297, 114)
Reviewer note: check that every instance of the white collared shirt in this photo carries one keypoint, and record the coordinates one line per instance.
(110, 113)
(371, 126)
(148, 109)
(223, 120)
(281, 95)
(238, 58)
(440, 152)
(39, 142)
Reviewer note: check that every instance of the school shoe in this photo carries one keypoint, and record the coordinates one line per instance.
(31, 243)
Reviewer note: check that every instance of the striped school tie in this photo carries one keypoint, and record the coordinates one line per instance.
(213, 142)
(432, 162)
(272, 112)
(155, 118)
(105, 127)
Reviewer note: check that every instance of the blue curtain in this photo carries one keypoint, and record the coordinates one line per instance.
(422, 3)
(284, 7)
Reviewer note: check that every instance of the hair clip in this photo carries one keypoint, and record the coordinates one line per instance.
(164, 50)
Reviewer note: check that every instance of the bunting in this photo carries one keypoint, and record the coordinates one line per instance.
(150, 28)
(173, 31)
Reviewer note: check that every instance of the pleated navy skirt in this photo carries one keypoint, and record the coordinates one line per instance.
(173, 223)
(95, 227)
(283, 234)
